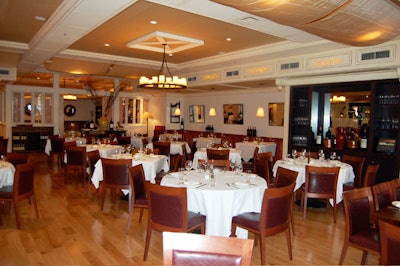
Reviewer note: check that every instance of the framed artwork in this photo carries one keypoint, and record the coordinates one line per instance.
(276, 114)
(69, 110)
(174, 118)
(233, 114)
(196, 113)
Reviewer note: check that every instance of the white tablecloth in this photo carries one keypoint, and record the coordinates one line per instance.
(137, 142)
(203, 142)
(176, 147)
(169, 136)
(221, 202)
(7, 172)
(247, 148)
(346, 173)
(234, 155)
(152, 165)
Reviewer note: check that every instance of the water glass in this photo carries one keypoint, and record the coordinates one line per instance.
(333, 155)
(189, 165)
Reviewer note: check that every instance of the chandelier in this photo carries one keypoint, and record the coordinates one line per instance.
(161, 81)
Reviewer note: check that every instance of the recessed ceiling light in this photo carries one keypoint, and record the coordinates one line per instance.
(153, 22)
(106, 44)
(40, 18)
(228, 39)
(221, 52)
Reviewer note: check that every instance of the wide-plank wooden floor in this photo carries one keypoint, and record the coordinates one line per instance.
(72, 230)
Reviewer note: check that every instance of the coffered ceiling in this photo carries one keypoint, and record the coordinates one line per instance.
(69, 37)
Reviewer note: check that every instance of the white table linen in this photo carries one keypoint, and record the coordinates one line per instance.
(152, 165)
(234, 155)
(169, 136)
(346, 173)
(202, 142)
(176, 147)
(221, 202)
(247, 148)
(7, 171)
(137, 142)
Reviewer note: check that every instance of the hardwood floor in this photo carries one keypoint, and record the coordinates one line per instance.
(72, 230)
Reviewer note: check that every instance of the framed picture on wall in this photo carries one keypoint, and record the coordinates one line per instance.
(173, 117)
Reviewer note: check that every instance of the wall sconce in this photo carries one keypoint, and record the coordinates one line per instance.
(212, 112)
(260, 112)
(177, 112)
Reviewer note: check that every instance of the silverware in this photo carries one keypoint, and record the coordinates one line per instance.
(228, 184)
(202, 185)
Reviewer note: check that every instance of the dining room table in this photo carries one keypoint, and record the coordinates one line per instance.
(390, 214)
(247, 148)
(177, 147)
(230, 195)
(170, 136)
(152, 165)
(204, 142)
(346, 173)
(7, 171)
(234, 156)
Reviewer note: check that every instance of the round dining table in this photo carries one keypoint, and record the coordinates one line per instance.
(7, 171)
(231, 195)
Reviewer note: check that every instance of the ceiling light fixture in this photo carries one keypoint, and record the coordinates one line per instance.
(161, 81)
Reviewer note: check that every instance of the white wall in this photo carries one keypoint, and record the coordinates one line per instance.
(83, 107)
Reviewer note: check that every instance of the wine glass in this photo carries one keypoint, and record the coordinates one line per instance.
(321, 154)
(333, 155)
(232, 165)
(294, 154)
(189, 165)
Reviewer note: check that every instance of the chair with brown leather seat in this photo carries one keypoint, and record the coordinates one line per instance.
(220, 164)
(3, 146)
(273, 219)
(358, 207)
(23, 188)
(395, 188)
(18, 157)
(286, 177)
(249, 166)
(168, 212)
(382, 195)
(76, 161)
(116, 176)
(57, 149)
(195, 249)
(262, 168)
(321, 183)
(92, 158)
(164, 147)
(269, 158)
(389, 236)
(357, 162)
(370, 175)
(176, 163)
(139, 196)
(218, 154)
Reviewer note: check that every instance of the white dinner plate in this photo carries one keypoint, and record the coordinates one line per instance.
(396, 203)
(241, 184)
(191, 183)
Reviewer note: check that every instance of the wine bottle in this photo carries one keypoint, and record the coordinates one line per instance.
(182, 125)
(91, 124)
(318, 138)
(111, 125)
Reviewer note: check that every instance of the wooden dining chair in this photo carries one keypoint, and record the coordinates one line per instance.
(218, 154)
(269, 158)
(116, 176)
(273, 219)
(358, 207)
(23, 188)
(219, 164)
(57, 150)
(195, 249)
(139, 196)
(389, 236)
(262, 168)
(395, 189)
(357, 162)
(123, 140)
(249, 166)
(370, 175)
(168, 212)
(92, 158)
(164, 147)
(76, 162)
(3, 146)
(321, 183)
(18, 157)
(286, 177)
(382, 195)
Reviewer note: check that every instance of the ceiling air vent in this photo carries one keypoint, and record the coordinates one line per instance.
(8, 73)
(192, 79)
(286, 66)
(232, 73)
(375, 55)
